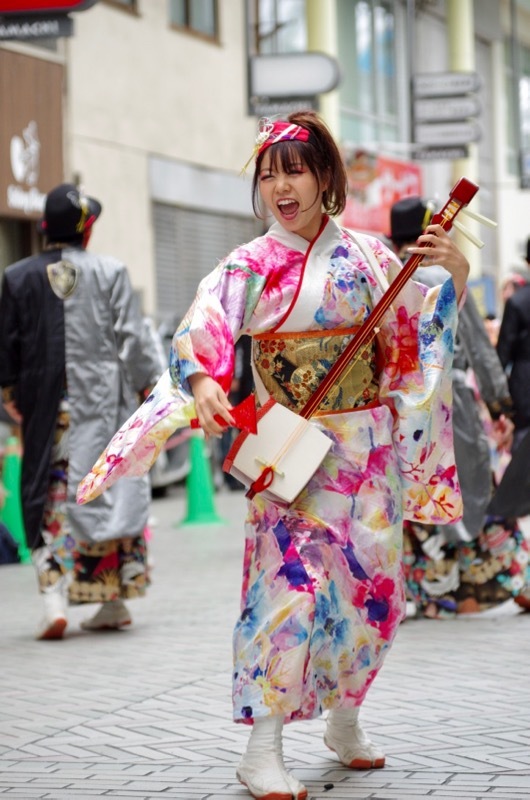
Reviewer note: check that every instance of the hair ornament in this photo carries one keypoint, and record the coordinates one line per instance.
(265, 128)
(270, 132)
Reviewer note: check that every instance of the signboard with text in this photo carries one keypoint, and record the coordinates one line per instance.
(441, 109)
(445, 84)
(25, 7)
(31, 143)
(447, 133)
(441, 153)
(286, 82)
(38, 19)
(444, 111)
(374, 184)
(281, 106)
(42, 26)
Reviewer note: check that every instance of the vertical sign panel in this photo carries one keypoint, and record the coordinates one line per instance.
(31, 133)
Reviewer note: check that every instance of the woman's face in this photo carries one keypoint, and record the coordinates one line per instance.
(294, 197)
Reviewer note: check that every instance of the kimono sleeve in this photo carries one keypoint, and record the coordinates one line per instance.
(204, 342)
(205, 339)
(417, 342)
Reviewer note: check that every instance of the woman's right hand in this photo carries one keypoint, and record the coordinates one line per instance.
(210, 399)
(438, 248)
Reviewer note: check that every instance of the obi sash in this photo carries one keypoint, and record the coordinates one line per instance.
(292, 365)
(290, 361)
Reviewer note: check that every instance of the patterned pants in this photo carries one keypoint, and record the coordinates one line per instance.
(489, 570)
(95, 571)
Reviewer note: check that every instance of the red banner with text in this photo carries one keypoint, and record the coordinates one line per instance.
(374, 184)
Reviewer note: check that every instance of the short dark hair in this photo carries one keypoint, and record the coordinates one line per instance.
(320, 154)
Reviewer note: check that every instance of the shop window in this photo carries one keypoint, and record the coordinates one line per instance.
(279, 26)
(130, 5)
(196, 16)
(517, 81)
(367, 53)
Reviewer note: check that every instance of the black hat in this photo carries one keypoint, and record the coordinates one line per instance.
(408, 218)
(68, 212)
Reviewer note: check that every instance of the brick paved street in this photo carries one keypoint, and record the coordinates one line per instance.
(145, 713)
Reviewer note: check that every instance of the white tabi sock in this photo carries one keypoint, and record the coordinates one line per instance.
(262, 769)
(347, 739)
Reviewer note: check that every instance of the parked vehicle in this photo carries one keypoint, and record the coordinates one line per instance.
(173, 464)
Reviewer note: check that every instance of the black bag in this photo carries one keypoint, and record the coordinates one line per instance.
(8, 547)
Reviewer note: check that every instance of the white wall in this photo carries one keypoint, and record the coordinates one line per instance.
(136, 89)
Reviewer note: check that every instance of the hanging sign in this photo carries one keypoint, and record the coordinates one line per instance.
(31, 142)
(24, 7)
(43, 26)
(445, 84)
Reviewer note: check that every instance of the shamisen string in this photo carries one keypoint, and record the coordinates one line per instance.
(271, 132)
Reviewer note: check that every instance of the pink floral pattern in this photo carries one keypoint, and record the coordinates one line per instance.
(322, 592)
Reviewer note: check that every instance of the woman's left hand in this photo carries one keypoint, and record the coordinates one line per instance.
(439, 249)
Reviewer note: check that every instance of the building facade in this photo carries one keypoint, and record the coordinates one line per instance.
(147, 107)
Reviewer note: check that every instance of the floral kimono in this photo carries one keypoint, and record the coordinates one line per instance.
(322, 592)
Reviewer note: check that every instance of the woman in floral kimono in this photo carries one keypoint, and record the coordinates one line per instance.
(322, 593)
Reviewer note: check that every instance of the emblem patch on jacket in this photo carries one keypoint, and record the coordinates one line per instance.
(63, 277)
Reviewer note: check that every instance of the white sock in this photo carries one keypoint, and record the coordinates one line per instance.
(265, 738)
(343, 717)
(262, 769)
(54, 602)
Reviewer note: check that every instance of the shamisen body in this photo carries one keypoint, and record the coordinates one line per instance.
(322, 587)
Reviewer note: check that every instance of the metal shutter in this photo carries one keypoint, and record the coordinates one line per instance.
(188, 245)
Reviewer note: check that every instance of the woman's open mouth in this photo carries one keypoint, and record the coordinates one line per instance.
(288, 208)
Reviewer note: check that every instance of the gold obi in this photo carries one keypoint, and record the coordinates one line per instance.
(292, 365)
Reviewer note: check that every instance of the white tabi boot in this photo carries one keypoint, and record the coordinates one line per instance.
(54, 622)
(262, 769)
(347, 739)
(112, 616)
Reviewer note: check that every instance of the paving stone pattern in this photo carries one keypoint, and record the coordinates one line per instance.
(145, 713)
